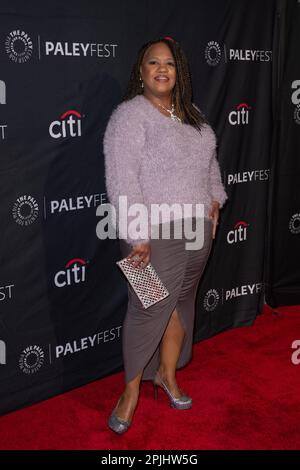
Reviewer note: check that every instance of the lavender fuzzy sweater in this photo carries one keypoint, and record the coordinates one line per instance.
(152, 159)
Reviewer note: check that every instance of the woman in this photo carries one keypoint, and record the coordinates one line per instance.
(159, 148)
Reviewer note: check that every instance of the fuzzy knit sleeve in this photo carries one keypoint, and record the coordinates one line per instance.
(217, 189)
(123, 143)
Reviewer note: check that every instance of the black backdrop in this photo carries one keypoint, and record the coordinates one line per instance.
(282, 260)
(63, 67)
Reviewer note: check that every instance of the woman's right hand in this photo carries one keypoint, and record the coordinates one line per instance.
(140, 255)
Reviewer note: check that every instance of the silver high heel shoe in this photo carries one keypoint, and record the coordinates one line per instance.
(182, 403)
(117, 424)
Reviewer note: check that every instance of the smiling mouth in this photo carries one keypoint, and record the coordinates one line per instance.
(161, 79)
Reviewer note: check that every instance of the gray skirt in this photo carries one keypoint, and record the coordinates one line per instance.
(180, 270)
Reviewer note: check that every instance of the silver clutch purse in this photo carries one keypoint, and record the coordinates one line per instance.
(145, 282)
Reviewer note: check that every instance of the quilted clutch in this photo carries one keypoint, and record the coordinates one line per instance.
(145, 282)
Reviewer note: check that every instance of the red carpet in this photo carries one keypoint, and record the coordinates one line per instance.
(246, 395)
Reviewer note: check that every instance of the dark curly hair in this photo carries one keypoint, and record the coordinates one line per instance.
(182, 91)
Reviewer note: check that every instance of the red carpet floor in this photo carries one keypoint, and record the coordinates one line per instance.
(245, 388)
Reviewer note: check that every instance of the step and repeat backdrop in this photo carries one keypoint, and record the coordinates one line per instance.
(64, 66)
(282, 283)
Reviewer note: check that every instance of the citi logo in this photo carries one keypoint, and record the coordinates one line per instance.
(74, 273)
(239, 233)
(2, 352)
(240, 116)
(69, 125)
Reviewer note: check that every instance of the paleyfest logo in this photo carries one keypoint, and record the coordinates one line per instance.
(213, 54)
(212, 296)
(18, 46)
(6, 292)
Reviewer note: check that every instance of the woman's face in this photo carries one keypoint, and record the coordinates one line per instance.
(158, 70)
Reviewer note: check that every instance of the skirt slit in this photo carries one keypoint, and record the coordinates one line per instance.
(143, 329)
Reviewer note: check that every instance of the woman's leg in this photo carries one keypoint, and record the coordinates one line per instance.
(169, 355)
(129, 399)
(170, 351)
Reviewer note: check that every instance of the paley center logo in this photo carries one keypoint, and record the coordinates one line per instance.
(238, 233)
(211, 299)
(213, 296)
(73, 273)
(294, 224)
(31, 359)
(18, 46)
(239, 116)
(213, 54)
(25, 210)
(295, 99)
(68, 125)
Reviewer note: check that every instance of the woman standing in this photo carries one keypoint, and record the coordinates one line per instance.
(159, 148)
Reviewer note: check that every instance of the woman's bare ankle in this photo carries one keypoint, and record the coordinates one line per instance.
(127, 405)
(131, 392)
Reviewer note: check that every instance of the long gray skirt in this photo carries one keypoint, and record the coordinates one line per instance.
(180, 270)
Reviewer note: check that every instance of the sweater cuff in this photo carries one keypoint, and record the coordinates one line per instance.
(220, 196)
(139, 241)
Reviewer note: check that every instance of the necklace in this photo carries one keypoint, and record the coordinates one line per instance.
(171, 112)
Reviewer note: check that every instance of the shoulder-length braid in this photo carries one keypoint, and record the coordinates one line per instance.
(182, 91)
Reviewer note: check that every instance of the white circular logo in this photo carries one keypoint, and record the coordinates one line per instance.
(212, 53)
(25, 210)
(31, 359)
(294, 224)
(18, 46)
(211, 300)
(297, 114)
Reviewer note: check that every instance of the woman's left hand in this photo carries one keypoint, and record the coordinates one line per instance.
(214, 215)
